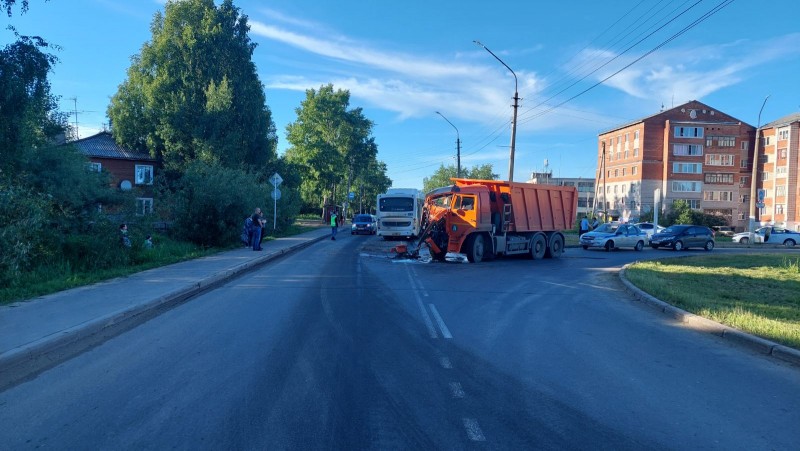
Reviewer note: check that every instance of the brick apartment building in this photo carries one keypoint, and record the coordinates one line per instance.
(691, 152)
(778, 167)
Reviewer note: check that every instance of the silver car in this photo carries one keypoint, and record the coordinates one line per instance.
(614, 235)
(777, 235)
(649, 228)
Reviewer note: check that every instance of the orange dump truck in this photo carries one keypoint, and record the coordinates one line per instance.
(485, 218)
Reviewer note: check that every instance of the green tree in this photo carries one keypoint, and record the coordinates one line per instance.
(193, 93)
(371, 182)
(681, 213)
(443, 175)
(333, 146)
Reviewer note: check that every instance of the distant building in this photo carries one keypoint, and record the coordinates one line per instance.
(691, 152)
(129, 169)
(778, 170)
(585, 188)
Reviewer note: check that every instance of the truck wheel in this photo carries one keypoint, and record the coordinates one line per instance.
(474, 248)
(538, 246)
(556, 247)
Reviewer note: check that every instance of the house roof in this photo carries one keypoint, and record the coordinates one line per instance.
(794, 117)
(102, 145)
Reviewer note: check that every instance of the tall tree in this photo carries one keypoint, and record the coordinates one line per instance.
(332, 143)
(443, 175)
(193, 92)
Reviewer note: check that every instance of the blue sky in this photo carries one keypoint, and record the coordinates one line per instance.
(403, 61)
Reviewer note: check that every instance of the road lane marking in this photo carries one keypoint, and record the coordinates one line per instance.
(561, 285)
(445, 362)
(419, 282)
(425, 316)
(456, 390)
(473, 430)
(440, 322)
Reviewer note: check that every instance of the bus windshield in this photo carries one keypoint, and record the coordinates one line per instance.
(396, 204)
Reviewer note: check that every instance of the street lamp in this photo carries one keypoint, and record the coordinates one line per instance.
(753, 177)
(458, 146)
(514, 121)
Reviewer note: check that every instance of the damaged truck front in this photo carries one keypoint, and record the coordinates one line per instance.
(486, 218)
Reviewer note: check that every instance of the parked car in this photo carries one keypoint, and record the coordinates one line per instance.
(364, 224)
(679, 237)
(649, 228)
(613, 235)
(724, 231)
(777, 235)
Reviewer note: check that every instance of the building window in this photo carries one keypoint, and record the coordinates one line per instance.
(741, 216)
(745, 145)
(694, 204)
(783, 134)
(616, 172)
(767, 140)
(744, 163)
(779, 209)
(686, 187)
(744, 180)
(687, 168)
(623, 172)
(144, 205)
(782, 154)
(744, 198)
(625, 155)
(721, 141)
(619, 154)
(634, 170)
(687, 149)
(144, 174)
(763, 158)
(764, 176)
(719, 160)
(780, 190)
(635, 151)
(636, 135)
(781, 171)
(688, 132)
(722, 196)
(92, 166)
(719, 178)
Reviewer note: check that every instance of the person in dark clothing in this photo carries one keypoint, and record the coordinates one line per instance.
(257, 227)
(124, 239)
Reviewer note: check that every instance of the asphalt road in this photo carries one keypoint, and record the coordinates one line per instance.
(339, 347)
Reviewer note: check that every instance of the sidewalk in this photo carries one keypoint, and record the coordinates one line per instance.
(42, 332)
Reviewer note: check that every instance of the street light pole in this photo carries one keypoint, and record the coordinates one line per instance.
(751, 227)
(514, 121)
(458, 146)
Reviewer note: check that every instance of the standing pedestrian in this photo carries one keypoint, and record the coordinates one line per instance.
(584, 227)
(595, 223)
(334, 225)
(257, 226)
(124, 239)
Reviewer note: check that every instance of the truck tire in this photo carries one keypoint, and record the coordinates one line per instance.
(556, 247)
(475, 248)
(538, 246)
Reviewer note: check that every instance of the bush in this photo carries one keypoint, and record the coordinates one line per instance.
(23, 230)
(211, 202)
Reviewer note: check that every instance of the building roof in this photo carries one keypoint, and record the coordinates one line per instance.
(628, 124)
(102, 145)
(794, 117)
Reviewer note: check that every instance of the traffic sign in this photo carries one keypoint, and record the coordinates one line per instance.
(276, 194)
(759, 204)
(276, 180)
(351, 195)
(762, 193)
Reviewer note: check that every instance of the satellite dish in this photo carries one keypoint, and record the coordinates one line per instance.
(125, 185)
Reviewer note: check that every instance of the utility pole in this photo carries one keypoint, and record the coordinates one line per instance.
(514, 120)
(751, 226)
(458, 146)
(605, 205)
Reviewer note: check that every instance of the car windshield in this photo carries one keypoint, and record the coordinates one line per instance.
(675, 229)
(362, 218)
(607, 228)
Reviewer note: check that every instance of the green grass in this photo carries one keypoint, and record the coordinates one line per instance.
(758, 294)
(59, 275)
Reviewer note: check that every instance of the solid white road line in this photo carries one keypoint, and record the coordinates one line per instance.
(425, 316)
(440, 322)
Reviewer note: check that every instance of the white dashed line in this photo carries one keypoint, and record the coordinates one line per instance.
(445, 362)
(440, 322)
(473, 430)
(425, 316)
(456, 390)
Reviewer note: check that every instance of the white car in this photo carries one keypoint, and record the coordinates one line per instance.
(777, 235)
(649, 228)
(613, 235)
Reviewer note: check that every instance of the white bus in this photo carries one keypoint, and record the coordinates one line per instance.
(399, 213)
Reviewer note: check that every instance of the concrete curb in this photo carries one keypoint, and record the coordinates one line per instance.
(28, 360)
(757, 344)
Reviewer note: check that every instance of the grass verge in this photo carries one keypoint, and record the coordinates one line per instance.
(758, 294)
(60, 275)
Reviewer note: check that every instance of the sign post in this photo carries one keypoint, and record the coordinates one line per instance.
(275, 180)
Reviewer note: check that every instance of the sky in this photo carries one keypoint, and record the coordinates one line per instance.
(580, 68)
